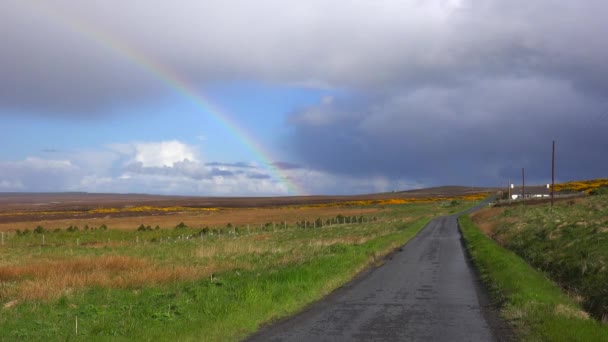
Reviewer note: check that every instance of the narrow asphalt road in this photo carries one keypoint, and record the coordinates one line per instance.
(425, 292)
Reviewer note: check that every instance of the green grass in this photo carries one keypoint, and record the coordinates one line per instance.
(227, 308)
(261, 277)
(569, 243)
(537, 307)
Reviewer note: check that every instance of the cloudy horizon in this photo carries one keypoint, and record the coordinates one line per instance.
(240, 98)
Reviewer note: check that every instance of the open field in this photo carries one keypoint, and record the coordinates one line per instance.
(84, 201)
(52, 211)
(199, 219)
(202, 282)
(537, 308)
(568, 243)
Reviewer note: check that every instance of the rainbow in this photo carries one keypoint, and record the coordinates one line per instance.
(170, 78)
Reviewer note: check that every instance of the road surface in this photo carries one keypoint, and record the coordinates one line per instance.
(425, 292)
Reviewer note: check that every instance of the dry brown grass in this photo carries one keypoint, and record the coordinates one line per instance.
(31, 279)
(50, 279)
(570, 312)
(350, 240)
(262, 237)
(236, 248)
(483, 219)
(239, 217)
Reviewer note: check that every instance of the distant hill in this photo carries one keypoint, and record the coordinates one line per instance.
(85, 201)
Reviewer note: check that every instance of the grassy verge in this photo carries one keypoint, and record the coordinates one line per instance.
(569, 243)
(149, 287)
(536, 306)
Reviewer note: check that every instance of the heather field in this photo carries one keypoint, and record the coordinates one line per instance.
(190, 280)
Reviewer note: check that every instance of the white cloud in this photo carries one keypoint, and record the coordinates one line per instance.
(171, 167)
(36, 174)
(163, 167)
(45, 164)
(163, 154)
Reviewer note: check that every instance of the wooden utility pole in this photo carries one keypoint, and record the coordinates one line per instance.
(523, 186)
(553, 174)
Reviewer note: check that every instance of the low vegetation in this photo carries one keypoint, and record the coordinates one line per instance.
(187, 209)
(536, 306)
(186, 282)
(569, 243)
(470, 197)
(587, 186)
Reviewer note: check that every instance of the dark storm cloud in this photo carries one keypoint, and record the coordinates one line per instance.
(437, 90)
(86, 56)
(483, 132)
(47, 65)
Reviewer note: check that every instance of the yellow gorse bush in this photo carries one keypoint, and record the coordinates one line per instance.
(395, 201)
(358, 203)
(582, 185)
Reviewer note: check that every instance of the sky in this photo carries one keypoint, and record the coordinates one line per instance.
(280, 97)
